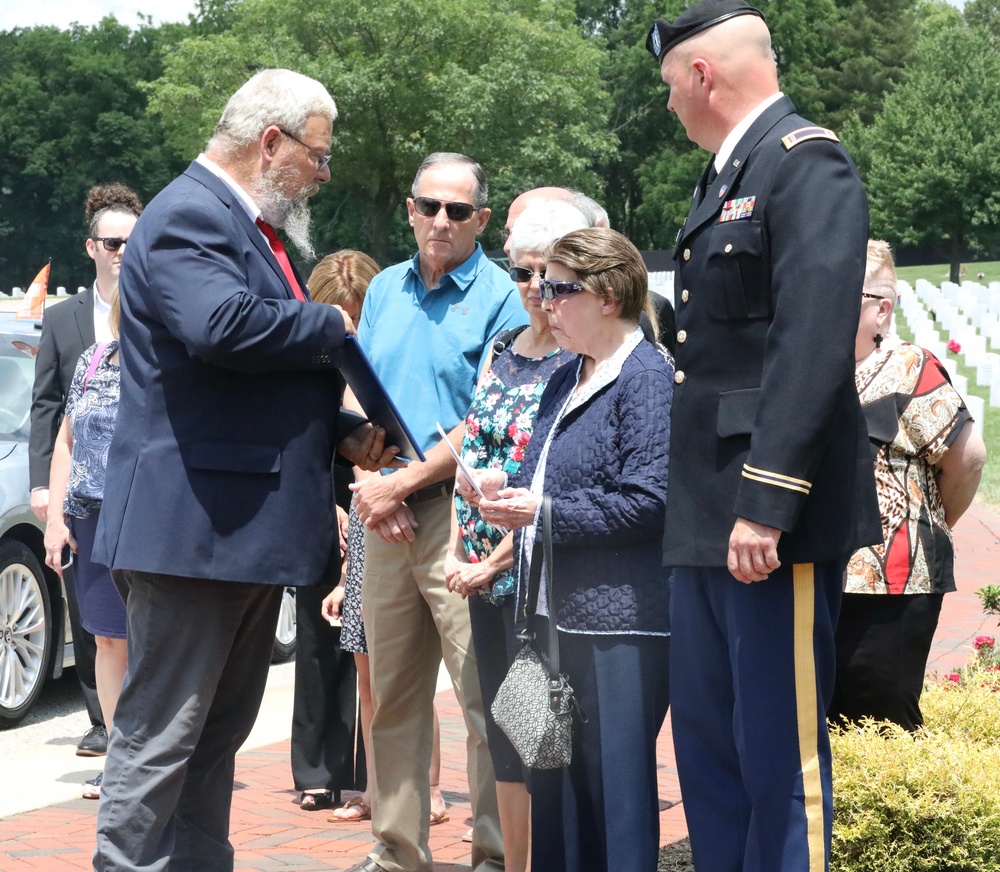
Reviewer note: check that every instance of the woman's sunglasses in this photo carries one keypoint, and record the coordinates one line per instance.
(523, 275)
(549, 290)
(429, 208)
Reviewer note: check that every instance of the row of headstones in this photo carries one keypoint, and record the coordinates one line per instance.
(928, 308)
(969, 313)
(970, 303)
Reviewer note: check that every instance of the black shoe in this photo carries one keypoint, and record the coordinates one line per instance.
(94, 742)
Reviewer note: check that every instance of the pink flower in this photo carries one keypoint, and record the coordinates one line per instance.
(954, 677)
(473, 557)
(983, 642)
(954, 346)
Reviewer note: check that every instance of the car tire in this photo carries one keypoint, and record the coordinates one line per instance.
(284, 634)
(27, 642)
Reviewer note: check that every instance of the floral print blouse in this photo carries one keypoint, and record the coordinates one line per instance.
(913, 415)
(497, 430)
(92, 414)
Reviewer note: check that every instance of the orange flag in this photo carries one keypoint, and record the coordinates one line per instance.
(34, 301)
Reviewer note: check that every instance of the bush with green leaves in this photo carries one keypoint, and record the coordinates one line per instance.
(927, 801)
(990, 596)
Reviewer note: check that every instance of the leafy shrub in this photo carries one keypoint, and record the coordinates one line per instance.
(929, 801)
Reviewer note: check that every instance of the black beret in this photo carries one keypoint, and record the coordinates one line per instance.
(664, 35)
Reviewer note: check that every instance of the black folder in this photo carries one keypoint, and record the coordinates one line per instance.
(378, 405)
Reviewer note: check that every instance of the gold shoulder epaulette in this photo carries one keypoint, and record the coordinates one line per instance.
(804, 134)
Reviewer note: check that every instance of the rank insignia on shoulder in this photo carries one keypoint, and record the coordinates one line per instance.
(734, 210)
(804, 134)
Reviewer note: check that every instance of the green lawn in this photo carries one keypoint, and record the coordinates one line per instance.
(938, 272)
(989, 489)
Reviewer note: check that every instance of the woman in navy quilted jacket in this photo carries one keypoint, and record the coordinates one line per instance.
(599, 451)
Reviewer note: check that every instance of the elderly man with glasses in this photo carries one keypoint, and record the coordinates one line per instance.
(218, 491)
(427, 326)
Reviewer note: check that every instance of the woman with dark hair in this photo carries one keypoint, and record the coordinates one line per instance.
(599, 451)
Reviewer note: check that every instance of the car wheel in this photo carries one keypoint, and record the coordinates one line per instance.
(25, 621)
(284, 635)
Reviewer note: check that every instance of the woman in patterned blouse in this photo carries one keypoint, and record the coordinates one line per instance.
(76, 492)
(928, 462)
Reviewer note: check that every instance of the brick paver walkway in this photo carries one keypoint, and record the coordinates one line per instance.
(271, 833)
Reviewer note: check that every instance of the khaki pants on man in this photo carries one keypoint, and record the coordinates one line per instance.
(411, 622)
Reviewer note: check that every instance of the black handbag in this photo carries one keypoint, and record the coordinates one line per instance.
(534, 705)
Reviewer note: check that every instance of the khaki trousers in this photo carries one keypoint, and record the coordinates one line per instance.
(411, 622)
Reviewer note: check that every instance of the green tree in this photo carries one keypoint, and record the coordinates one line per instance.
(984, 14)
(870, 43)
(637, 116)
(514, 84)
(72, 114)
(933, 153)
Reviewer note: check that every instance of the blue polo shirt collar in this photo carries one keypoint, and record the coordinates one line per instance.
(461, 276)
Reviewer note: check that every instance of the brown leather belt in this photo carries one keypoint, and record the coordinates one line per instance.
(430, 492)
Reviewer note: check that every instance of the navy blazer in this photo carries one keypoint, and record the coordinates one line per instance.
(67, 331)
(220, 463)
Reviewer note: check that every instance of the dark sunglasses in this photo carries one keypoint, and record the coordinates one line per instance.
(429, 208)
(523, 275)
(866, 296)
(110, 243)
(549, 290)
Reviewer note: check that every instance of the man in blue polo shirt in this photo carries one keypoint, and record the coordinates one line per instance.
(427, 326)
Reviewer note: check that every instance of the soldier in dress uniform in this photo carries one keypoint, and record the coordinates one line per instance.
(771, 484)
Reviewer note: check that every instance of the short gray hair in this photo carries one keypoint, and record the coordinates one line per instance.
(541, 224)
(481, 189)
(593, 211)
(283, 98)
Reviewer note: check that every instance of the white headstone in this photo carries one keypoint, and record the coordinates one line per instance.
(978, 410)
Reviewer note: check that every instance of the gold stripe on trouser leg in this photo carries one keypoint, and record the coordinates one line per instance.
(806, 706)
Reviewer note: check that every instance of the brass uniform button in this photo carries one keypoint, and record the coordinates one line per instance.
(687, 254)
(679, 377)
(684, 296)
(682, 336)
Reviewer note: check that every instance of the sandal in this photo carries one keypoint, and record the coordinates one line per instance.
(364, 809)
(92, 787)
(314, 800)
(439, 817)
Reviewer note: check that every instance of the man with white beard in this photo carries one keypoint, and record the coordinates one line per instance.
(218, 489)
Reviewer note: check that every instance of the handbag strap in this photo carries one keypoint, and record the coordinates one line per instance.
(549, 598)
(534, 586)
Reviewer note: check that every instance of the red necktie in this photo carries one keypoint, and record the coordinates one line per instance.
(278, 247)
